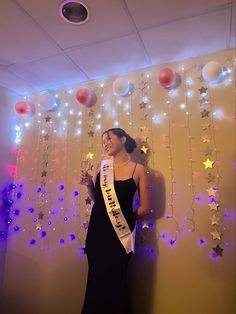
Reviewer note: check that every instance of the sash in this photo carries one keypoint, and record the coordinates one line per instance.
(114, 211)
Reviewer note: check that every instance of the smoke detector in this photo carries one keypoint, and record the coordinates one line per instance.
(74, 12)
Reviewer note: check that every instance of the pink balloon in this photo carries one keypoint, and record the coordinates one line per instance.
(86, 97)
(25, 108)
(22, 107)
(166, 78)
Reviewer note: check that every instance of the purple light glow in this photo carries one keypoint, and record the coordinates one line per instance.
(16, 212)
(32, 242)
(18, 195)
(172, 242)
(31, 210)
(16, 228)
(43, 234)
(12, 186)
(76, 193)
(62, 241)
(212, 199)
(199, 198)
(65, 218)
(163, 235)
(202, 242)
(72, 236)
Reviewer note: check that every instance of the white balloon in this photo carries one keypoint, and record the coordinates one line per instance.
(211, 71)
(121, 87)
(47, 101)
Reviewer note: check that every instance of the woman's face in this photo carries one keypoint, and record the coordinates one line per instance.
(112, 144)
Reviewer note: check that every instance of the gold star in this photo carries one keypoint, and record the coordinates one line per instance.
(214, 220)
(206, 126)
(203, 101)
(40, 215)
(89, 155)
(205, 139)
(143, 149)
(218, 250)
(202, 90)
(213, 206)
(216, 235)
(144, 138)
(44, 173)
(145, 225)
(90, 133)
(142, 105)
(88, 201)
(208, 151)
(143, 128)
(205, 113)
(38, 226)
(208, 163)
(46, 137)
(212, 191)
(210, 178)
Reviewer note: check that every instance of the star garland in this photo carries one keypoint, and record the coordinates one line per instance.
(210, 165)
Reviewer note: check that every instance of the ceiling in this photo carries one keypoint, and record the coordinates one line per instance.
(40, 51)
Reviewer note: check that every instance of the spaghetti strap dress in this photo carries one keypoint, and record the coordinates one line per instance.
(106, 291)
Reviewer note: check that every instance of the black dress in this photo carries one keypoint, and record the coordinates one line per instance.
(106, 291)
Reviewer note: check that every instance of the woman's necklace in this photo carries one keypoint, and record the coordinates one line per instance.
(122, 164)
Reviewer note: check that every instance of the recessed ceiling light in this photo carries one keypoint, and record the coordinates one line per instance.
(74, 12)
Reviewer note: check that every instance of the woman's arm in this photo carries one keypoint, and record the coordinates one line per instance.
(90, 181)
(144, 193)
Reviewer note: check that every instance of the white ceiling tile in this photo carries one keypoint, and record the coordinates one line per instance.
(187, 38)
(50, 73)
(20, 38)
(153, 12)
(107, 20)
(14, 83)
(109, 58)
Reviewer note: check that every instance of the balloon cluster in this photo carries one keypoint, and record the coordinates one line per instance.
(86, 97)
(122, 87)
(25, 109)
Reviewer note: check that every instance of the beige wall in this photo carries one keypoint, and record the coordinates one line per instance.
(50, 278)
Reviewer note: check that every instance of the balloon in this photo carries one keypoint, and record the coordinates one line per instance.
(86, 97)
(211, 71)
(47, 101)
(122, 87)
(24, 108)
(166, 78)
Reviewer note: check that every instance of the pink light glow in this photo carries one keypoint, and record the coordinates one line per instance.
(12, 170)
(16, 149)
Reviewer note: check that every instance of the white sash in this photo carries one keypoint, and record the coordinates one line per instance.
(114, 211)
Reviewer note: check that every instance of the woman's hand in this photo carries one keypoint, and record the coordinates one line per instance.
(85, 178)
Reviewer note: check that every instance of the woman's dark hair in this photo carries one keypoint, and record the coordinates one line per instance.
(130, 143)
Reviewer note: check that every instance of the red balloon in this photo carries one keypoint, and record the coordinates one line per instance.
(86, 97)
(166, 77)
(22, 107)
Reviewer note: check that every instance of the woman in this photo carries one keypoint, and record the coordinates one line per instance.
(110, 236)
